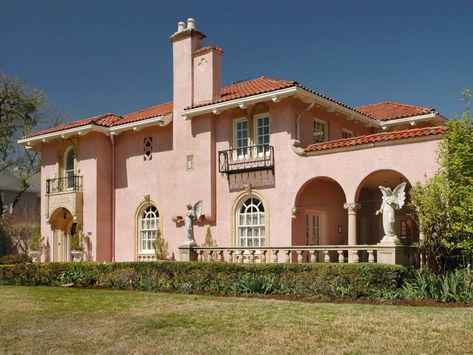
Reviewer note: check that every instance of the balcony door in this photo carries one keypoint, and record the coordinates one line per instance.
(262, 135)
(69, 168)
(240, 139)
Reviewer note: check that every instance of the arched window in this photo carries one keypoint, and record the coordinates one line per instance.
(251, 219)
(148, 226)
(68, 166)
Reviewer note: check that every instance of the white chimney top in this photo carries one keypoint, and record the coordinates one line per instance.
(190, 23)
(181, 26)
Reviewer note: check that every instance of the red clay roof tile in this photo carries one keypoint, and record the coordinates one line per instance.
(154, 111)
(390, 110)
(105, 120)
(377, 137)
(380, 111)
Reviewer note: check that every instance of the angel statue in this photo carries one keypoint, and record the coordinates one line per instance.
(192, 213)
(392, 200)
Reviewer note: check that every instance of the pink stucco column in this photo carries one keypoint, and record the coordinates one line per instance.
(352, 208)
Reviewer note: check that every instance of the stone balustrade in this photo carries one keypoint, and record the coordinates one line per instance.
(388, 254)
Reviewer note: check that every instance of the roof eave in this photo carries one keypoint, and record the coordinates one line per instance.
(216, 108)
(276, 96)
(412, 120)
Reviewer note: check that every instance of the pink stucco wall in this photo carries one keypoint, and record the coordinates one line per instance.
(117, 180)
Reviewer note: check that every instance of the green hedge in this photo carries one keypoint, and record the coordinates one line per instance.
(320, 280)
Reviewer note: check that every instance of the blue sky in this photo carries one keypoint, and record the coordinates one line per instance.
(115, 56)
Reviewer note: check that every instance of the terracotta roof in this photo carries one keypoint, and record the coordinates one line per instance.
(158, 110)
(105, 120)
(390, 110)
(378, 137)
(259, 86)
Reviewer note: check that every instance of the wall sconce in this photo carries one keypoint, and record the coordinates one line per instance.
(340, 229)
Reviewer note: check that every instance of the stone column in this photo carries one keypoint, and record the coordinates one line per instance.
(352, 208)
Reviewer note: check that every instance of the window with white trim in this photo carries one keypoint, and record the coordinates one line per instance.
(251, 219)
(148, 226)
(262, 132)
(320, 131)
(240, 140)
(68, 167)
(346, 133)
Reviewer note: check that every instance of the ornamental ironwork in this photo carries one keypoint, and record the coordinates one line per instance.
(245, 159)
(64, 184)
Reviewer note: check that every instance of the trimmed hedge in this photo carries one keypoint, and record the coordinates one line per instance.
(14, 259)
(320, 280)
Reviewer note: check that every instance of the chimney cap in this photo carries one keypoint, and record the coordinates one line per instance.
(181, 26)
(191, 23)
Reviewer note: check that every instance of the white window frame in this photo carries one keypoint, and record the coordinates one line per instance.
(68, 174)
(325, 123)
(349, 132)
(246, 229)
(256, 118)
(148, 231)
(243, 154)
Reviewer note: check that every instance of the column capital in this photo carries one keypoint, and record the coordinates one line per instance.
(352, 207)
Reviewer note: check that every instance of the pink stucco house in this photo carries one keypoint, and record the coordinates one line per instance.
(276, 164)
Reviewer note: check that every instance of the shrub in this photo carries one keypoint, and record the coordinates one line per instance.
(160, 247)
(14, 259)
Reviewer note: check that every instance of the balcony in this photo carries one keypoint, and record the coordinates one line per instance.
(65, 192)
(64, 184)
(245, 159)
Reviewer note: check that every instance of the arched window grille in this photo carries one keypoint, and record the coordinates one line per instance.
(148, 227)
(251, 221)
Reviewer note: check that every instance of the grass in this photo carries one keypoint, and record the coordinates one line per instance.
(62, 320)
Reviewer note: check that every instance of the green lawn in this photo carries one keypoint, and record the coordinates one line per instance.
(61, 320)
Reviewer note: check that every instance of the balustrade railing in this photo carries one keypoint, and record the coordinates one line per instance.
(299, 254)
(64, 184)
(244, 159)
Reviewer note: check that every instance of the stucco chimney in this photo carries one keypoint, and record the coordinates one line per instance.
(196, 70)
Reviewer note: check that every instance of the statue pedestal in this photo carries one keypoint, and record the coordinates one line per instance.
(393, 252)
(187, 252)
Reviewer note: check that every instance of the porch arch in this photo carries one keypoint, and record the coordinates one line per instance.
(61, 221)
(318, 215)
(369, 198)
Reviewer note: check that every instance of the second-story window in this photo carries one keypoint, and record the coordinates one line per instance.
(69, 157)
(346, 133)
(241, 137)
(261, 133)
(320, 131)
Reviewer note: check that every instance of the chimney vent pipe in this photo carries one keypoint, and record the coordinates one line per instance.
(191, 23)
(181, 26)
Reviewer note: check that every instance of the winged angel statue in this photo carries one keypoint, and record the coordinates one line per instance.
(392, 200)
(192, 213)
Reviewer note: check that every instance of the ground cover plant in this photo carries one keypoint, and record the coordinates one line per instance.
(70, 320)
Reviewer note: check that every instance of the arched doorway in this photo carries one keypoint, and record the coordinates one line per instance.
(369, 196)
(61, 224)
(320, 218)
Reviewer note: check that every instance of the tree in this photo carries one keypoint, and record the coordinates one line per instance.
(21, 110)
(443, 207)
(21, 228)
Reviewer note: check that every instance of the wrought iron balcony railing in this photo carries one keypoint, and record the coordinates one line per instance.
(64, 184)
(240, 160)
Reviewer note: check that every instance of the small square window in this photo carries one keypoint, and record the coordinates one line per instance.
(320, 131)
